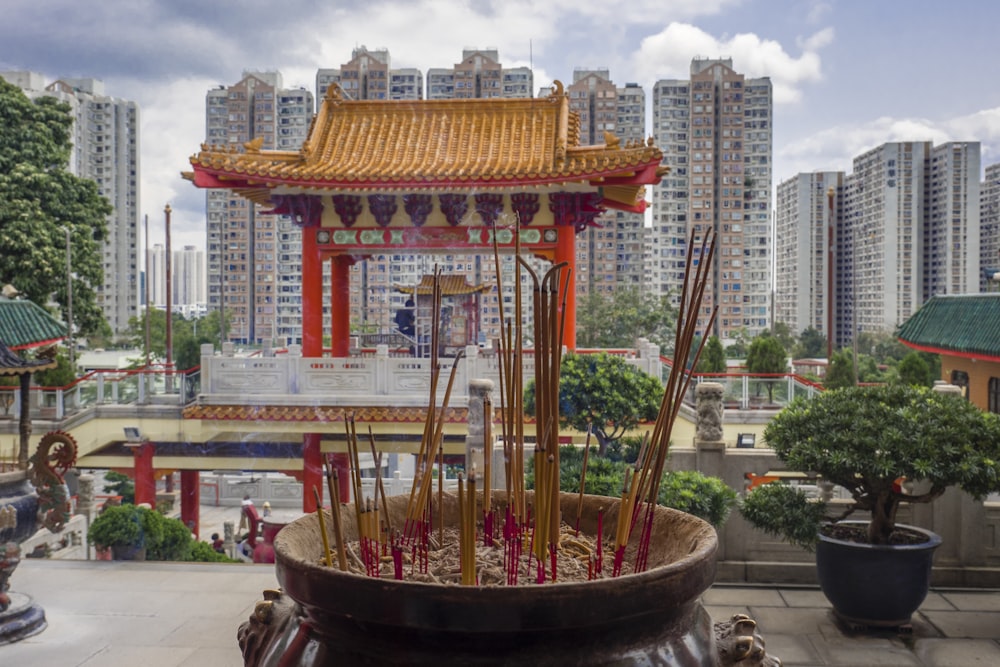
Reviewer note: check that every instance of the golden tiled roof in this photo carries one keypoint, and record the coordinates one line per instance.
(450, 286)
(433, 144)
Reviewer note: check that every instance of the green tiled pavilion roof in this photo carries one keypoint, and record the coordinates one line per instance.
(963, 324)
(25, 324)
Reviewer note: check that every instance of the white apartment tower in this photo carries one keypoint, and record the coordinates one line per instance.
(156, 275)
(805, 246)
(105, 150)
(611, 253)
(251, 279)
(907, 228)
(715, 130)
(188, 277)
(989, 221)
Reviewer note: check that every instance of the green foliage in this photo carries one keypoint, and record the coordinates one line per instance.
(812, 345)
(713, 357)
(913, 369)
(604, 392)
(187, 336)
(175, 539)
(840, 372)
(39, 200)
(126, 526)
(60, 376)
(202, 552)
(784, 334)
(741, 342)
(688, 491)
(867, 438)
(785, 512)
(766, 355)
(617, 321)
(120, 484)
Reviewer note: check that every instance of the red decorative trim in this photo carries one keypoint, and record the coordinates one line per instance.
(977, 356)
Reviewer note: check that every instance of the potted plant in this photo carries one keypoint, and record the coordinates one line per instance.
(886, 445)
(127, 530)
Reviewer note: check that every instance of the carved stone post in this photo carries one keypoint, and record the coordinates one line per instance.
(479, 392)
(709, 445)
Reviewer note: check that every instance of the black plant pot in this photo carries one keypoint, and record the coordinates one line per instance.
(875, 585)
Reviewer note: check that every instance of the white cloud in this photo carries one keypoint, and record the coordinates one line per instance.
(668, 54)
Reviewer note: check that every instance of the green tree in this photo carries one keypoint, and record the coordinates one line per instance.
(840, 372)
(767, 355)
(39, 200)
(617, 321)
(713, 357)
(187, 336)
(783, 333)
(605, 392)
(738, 348)
(60, 376)
(914, 370)
(812, 345)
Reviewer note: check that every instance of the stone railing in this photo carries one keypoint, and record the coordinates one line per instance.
(286, 379)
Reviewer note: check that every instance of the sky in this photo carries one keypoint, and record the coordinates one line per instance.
(847, 75)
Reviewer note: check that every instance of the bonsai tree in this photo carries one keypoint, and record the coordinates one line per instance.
(868, 439)
(126, 526)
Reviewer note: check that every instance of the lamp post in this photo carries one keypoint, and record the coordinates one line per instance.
(169, 341)
(69, 300)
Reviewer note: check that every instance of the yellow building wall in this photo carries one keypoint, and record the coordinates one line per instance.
(979, 372)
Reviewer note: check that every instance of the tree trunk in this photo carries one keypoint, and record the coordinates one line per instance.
(883, 518)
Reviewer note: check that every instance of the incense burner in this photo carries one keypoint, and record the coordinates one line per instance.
(323, 616)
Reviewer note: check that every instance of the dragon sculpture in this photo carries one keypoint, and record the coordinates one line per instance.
(56, 454)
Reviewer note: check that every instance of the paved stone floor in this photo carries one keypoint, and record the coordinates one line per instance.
(118, 614)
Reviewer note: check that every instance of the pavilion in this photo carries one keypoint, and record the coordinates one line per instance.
(430, 176)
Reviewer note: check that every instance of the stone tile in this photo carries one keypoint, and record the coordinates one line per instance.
(792, 650)
(973, 600)
(215, 657)
(937, 602)
(865, 652)
(787, 621)
(805, 597)
(147, 656)
(951, 652)
(722, 596)
(966, 625)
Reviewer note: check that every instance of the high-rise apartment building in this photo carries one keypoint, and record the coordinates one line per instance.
(479, 75)
(368, 76)
(989, 220)
(188, 277)
(715, 130)
(156, 274)
(906, 228)
(105, 149)
(251, 279)
(805, 241)
(609, 254)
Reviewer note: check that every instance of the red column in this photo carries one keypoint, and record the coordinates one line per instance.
(191, 500)
(312, 471)
(145, 483)
(340, 306)
(312, 296)
(566, 252)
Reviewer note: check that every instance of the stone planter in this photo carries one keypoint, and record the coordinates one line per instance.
(873, 584)
(327, 617)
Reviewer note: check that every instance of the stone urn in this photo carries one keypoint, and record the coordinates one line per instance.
(20, 617)
(322, 616)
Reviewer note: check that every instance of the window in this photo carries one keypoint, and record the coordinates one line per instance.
(961, 379)
(994, 395)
